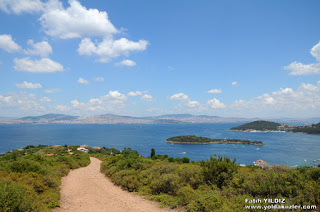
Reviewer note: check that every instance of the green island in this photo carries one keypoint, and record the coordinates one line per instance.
(30, 179)
(192, 139)
(266, 126)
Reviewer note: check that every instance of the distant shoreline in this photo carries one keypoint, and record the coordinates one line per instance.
(215, 142)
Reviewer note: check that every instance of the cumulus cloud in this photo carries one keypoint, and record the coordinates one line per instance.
(113, 101)
(44, 65)
(137, 93)
(235, 83)
(215, 91)
(315, 51)
(185, 100)
(179, 96)
(215, 104)
(296, 68)
(116, 95)
(147, 98)
(83, 81)
(109, 48)
(29, 85)
(21, 6)
(76, 21)
(42, 49)
(8, 44)
(99, 79)
(126, 63)
(285, 102)
(21, 103)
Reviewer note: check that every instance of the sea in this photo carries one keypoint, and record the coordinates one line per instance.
(292, 149)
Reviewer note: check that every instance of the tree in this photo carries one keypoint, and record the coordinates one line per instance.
(153, 153)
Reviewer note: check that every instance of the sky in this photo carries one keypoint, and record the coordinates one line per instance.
(224, 58)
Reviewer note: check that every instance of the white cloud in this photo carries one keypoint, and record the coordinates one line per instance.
(296, 68)
(21, 6)
(315, 51)
(29, 85)
(45, 99)
(41, 48)
(109, 48)
(235, 83)
(116, 95)
(83, 81)
(126, 63)
(8, 44)
(266, 99)
(111, 102)
(55, 90)
(137, 93)
(99, 79)
(147, 98)
(215, 91)
(215, 104)
(179, 97)
(20, 103)
(304, 101)
(76, 21)
(185, 100)
(44, 65)
(193, 104)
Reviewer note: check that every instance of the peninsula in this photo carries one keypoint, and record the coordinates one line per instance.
(191, 139)
(268, 126)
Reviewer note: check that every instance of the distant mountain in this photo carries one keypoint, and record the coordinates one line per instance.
(50, 117)
(116, 119)
(179, 116)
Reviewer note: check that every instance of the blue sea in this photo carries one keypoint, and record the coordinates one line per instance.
(291, 149)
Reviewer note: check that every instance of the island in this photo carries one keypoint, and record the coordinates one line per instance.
(269, 126)
(192, 139)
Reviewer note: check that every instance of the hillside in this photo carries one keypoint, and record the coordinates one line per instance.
(311, 129)
(273, 126)
(258, 125)
(191, 139)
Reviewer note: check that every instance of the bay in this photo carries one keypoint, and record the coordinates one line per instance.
(293, 149)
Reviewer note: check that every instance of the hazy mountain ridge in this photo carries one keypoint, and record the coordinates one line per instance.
(117, 119)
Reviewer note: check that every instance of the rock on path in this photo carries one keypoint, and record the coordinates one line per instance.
(87, 189)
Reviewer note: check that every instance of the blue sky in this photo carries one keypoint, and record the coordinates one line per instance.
(142, 58)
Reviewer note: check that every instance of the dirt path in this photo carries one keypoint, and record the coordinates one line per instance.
(87, 189)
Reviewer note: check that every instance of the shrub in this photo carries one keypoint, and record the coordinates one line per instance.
(13, 198)
(166, 183)
(26, 165)
(219, 170)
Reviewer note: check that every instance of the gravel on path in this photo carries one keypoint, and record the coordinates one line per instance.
(88, 190)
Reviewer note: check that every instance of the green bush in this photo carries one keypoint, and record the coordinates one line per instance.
(166, 183)
(219, 170)
(14, 198)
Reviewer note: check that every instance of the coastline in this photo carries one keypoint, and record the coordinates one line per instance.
(212, 142)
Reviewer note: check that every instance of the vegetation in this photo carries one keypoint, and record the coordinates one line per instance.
(191, 139)
(312, 129)
(30, 179)
(217, 184)
(272, 126)
(258, 125)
